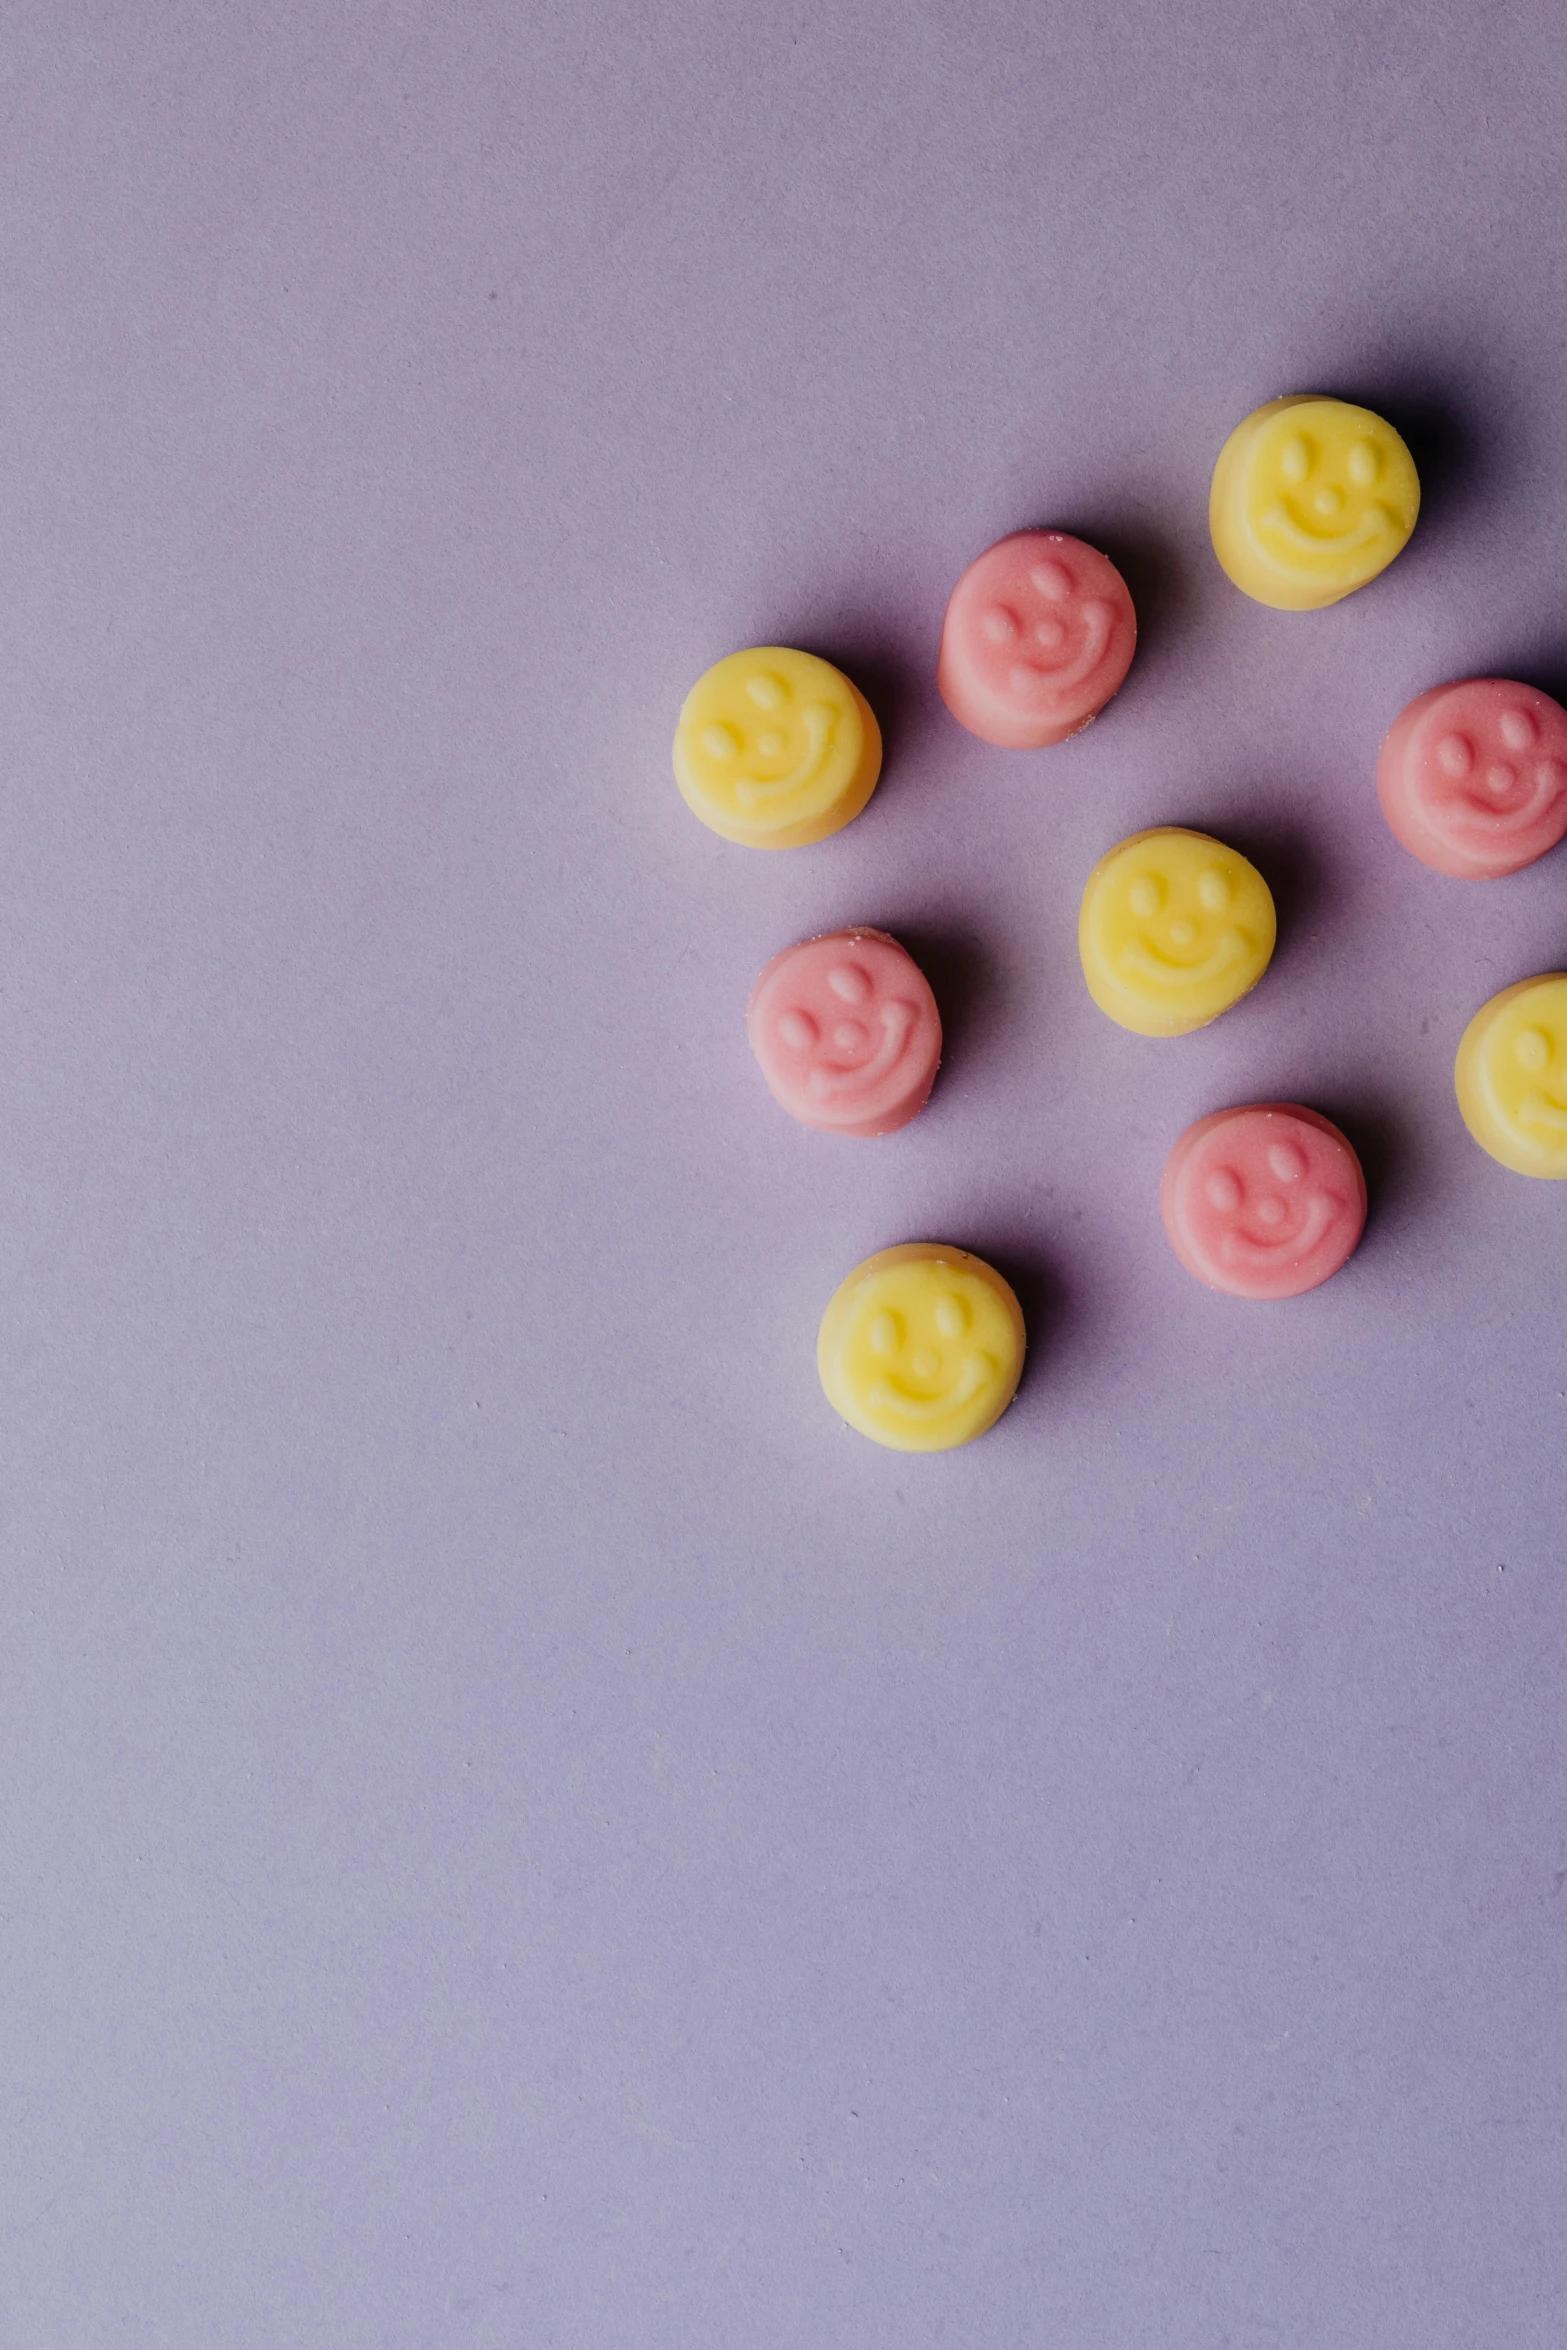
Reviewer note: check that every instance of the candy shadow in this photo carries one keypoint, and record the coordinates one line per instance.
(1042, 1293)
(896, 689)
(1383, 1143)
(1450, 457)
(1158, 580)
(965, 979)
(1289, 861)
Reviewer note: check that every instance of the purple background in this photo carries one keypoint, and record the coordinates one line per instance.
(519, 1829)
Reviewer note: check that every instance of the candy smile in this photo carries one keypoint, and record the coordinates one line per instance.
(1146, 962)
(1283, 524)
(888, 1395)
(828, 1083)
(1098, 620)
(1538, 1109)
(1238, 1248)
(817, 718)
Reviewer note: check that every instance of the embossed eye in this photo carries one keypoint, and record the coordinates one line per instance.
(952, 1315)
(767, 691)
(849, 983)
(720, 742)
(1532, 1049)
(1295, 458)
(1224, 1191)
(1288, 1161)
(1146, 895)
(1364, 465)
(798, 1030)
(886, 1332)
(1518, 729)
(999, 624)
(1214, 890)
(1455, 755)
(1052, 580)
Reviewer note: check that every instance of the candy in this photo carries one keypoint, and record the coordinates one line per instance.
(1311, 498)
(1473, 777)
(921, 1348)
(1263, 1202)
(776, 748)
(1039, 633)
(1175, 928)
(847, 1033)
(1511, 1076)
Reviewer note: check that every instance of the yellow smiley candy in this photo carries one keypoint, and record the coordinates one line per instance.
(921, 1348)
(1511, 1076)
(1174, 929)
(776, 748)
(1311, 499)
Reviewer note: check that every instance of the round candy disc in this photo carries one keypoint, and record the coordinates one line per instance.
(1039, 633)
(1174, 929)
(1311, 498)
(1263, 1202)
(847, 1033)
(776, 748)
(1473, 777)
(921, 1348)
(1511, 1076)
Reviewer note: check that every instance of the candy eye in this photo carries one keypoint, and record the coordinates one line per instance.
(1224, 1191)
(1288, 1161)
(849, 983)
(1532, 1050)
(1214, 890)
(1295, 458)
(720, 742)
(1146, 895)
(1052, 580)
(952, 1316)
(1000, 625)
(766, 691)
(1364, 465)
(886, 1332)
(1518, 729)
(798, 1030)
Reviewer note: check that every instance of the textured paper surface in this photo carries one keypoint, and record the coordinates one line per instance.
(520, 1829)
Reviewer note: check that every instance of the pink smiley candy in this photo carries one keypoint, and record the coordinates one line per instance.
(847, 1033)
(1263, 1202)
(1039, 633)
(1473, 777)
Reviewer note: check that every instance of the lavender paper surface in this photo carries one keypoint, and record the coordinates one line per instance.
(519, 1829)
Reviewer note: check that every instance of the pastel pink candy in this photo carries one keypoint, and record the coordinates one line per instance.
(847, 1033)
(1263, 1202)
(1039, 633)
(1473, 777)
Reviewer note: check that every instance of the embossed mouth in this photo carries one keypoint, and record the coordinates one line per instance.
(1146, 962)
(1539, 1109)
(1098, 620)
(817, 719)
(1489, 820)
(888, 1395)
(1239, 1248)
(835, 1082)
(1374, 525)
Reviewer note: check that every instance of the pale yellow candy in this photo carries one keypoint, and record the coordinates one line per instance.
(1311, 498)
(776, 748)
(1175, 928)
(1511, 1076)
(922, 1347)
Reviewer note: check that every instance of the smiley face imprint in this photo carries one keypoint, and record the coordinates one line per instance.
(1511, 1076)
(1263, 1202)
(1174, 929)
(776, 748)
(1311, 499)
(1473, 777)
(921, 1348)
(1039, 633)
(846, 1032)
